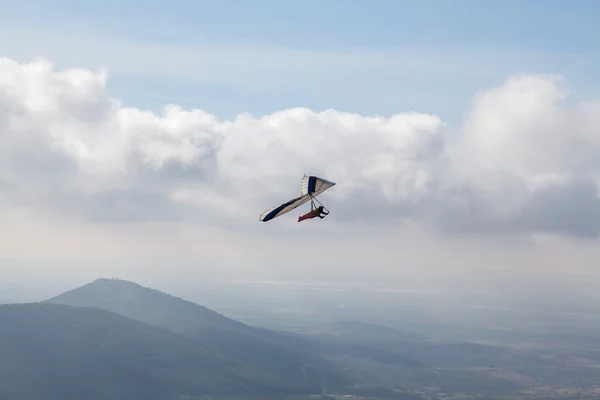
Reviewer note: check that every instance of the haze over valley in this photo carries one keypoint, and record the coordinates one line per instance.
(407, 344)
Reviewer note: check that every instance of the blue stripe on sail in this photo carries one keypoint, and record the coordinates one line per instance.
(277, 210)
(312, 183)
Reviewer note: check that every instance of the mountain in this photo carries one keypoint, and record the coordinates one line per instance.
(280, 356)
(51, 352)
(150, 305)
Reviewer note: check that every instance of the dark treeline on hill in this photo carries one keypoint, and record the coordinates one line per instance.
(56, 351)
(112, 338)
(117, 339)
(281, 357)
(275, 352)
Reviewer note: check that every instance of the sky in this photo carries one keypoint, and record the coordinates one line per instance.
(143, 140)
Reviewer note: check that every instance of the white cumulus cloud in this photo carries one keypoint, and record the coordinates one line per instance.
(525, 160)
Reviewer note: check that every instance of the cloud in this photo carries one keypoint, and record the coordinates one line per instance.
(524, 161)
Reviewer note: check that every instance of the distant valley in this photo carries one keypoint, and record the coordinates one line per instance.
(114, 339)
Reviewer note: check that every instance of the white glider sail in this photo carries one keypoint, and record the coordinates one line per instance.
(314, 186)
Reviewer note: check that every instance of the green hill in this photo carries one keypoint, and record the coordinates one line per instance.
(50, 351)
(135, 301)
(278, 355)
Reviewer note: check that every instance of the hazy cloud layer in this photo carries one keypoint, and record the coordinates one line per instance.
(524, 161)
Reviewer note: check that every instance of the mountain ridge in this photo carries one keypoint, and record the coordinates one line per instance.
(86, 352)
(269, 351)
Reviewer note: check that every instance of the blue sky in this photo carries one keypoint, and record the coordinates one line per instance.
(370, 57)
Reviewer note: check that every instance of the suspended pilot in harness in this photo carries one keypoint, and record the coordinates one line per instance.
(317, 212)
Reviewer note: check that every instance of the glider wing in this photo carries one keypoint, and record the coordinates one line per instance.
(284, 208)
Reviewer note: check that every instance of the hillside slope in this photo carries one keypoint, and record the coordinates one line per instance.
(50, 351)
(276, 354)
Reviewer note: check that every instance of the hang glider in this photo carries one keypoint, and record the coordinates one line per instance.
(311, 187)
